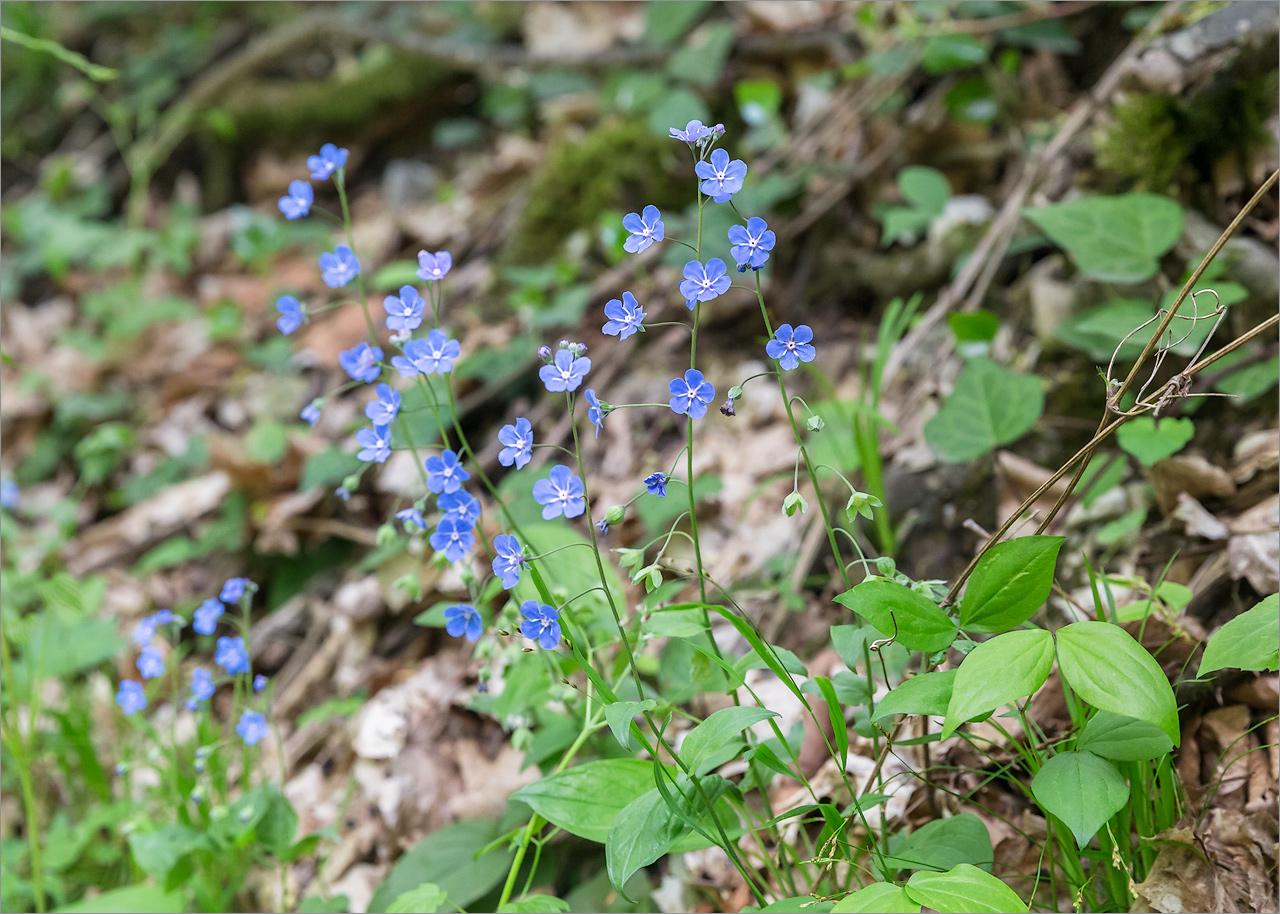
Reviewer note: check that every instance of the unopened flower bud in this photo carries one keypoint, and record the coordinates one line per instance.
(386, 535)
(727, 408)
(615, 514)
(544, 353)
(886, 566)
(578, 349)
(815, 424)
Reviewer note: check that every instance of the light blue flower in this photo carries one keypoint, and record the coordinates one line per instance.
(751, 244)
(375, 444)
(404, 312)
(560, 493)
(291, 314)
(297, 203)
(625, 316)
(433, 355)
(453, 538)
(331, 158)
(361, 362)
(231, 655)
(434, 266)
(445, 473)
(703, 283)
(645, 229)
(339, 266)
(541, 624)
(508, 559)
(252, 728)
(461, 505)
(791, 347)
(131, 697)
(202, 686)
(691, 394)
(722, 178)
(565, 372)
(463, 619)
(384, 409)
(517, 441)
(206, 616)
(150, 662)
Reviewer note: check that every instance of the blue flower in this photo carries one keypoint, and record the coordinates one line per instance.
(404, 312)
(434, 266)
(291, 314)
(144, 631)
(202, 686)
(517, 441)
(752, 244)
(645, 230)
(297, 203)
(259, 682)
(361, 362)
(722, 178)
(375, 444)
(541, 623)
(206, 616)
(463, 619)
(413, 516)
(625, 316)
(339, 266)
(252, 728)
(234, 589)
(693, 132)
(331, 158)
(343, 493)
(461, 505)
(434, 355)
(310, 413)
(566, 372)
(561, 493)
(384, 409)
(231, 655)
(595, 412)
(453, 538)
(508, 559)
(131, 698)
(163, 617)
(656, 483)
(445, 473)
(703, 283)
(150, 663)
(791, 347)
(8, 493)
(691, 394)
(603, 526)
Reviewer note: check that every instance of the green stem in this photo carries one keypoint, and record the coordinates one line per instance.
(339, 181)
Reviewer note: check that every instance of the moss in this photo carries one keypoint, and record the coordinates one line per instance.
(618, 165)
(1145, 142)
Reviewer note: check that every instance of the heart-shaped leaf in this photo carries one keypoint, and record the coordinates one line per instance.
(1113, 239)
(989, 406)
(1082, 790)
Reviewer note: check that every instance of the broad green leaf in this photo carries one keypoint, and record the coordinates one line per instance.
(427, 898)
(1249, 382)
(926, 693)
(1150, 441)
(279, 823)
(619, 716)
(877, 898)
(584, 799)
(448, 858)
(1082, 790)
(677, 107)
(1247, 642)
(1188, 331)
(1112, 672)
(1123, 738)
(989, 406)
(58, 650)
(704, 741)
(647, 828)
(1012, 581)
(1113, 239)
(919, 623)
(536, 904)
(964, 889)
(158, 852)
(953, 52)
(974, 326)
(925, 188)
(1100, 330)
(145, 898)
(943, 843)
(702, 58)
(996, 672)
(667, 20)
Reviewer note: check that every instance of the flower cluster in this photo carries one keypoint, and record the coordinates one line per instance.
(231, 654)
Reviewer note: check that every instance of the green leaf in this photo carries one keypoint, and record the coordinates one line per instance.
(667, 20)
(953, 52)
(927, 189)
(944, 843)
(1099, 331)
(702, 58)
(72, 647)
(964, 889)
(327, 468)
(427, 898)
(996, 672)
(1012, 581)
(1249, 382)
(700, 748)
(158, 852)
(1123, 738)
(1247, 642)
(1152, 442)
(266, 442)
(974, 327)
(144, 898)
(796, 904)
(648, 828)
(620, 714)
(919, 623)
(537, 904)
(447, 858)
(314, 904)
(279, 823)
(1113, 239)
(1082, 790)
(584, 799)
(877, 898)
(1112, 672)
(390, 277)
(990, 406)
(926, 693)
